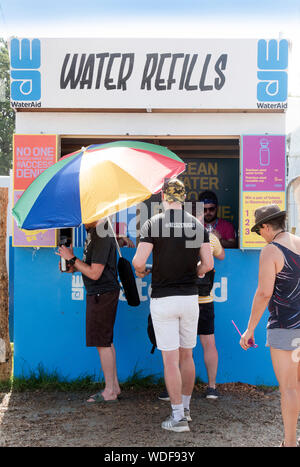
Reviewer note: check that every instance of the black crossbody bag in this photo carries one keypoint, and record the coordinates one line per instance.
(126, 276)
(205, 284)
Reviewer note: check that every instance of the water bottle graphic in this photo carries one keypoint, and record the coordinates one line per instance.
(264, 152)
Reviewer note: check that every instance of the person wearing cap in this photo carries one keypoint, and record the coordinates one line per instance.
(177, 240)
(279, 289)
(221, 228)
(206, 321)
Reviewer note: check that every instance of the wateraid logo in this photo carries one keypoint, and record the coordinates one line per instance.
(220, 290)
(77, 287)
(25, 56)
(272, 59)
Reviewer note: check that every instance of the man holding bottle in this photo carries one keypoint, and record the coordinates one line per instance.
(99, 274)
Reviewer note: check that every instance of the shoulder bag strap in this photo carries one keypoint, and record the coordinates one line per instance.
(113, 232)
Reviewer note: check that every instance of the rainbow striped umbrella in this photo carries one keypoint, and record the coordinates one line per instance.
(95, 182)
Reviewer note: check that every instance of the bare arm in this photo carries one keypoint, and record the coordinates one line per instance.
(264, 291)
(221, 256)
(125, 241)
(218, 250)
(143, 252)
(93, 271)
(226, 243)
(206, 259)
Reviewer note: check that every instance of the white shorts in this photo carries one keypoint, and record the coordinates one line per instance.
(175, 321)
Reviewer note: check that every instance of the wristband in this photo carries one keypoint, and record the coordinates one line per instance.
(72, 261)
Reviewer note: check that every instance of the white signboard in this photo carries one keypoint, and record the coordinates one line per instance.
(149, 73)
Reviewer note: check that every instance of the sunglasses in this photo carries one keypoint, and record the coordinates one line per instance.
(257, 230)
(210, 209)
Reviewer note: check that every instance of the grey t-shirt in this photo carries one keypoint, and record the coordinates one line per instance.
(100, 250)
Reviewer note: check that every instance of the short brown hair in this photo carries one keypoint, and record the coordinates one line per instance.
(277, 223)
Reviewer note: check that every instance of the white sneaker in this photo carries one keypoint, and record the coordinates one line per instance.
(171, 424)
(187, 415)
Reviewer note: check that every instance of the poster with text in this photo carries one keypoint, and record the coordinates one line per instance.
(263, 163)
(218, 175)
(251, 201)
(32, 155)
(262, 181)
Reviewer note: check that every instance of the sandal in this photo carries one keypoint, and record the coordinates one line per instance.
(98, 398)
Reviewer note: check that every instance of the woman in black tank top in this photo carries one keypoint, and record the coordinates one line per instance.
(279, 289)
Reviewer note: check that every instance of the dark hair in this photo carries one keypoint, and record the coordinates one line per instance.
(208, 197)
(277, 223)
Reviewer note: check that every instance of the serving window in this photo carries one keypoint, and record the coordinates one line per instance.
(211, 164)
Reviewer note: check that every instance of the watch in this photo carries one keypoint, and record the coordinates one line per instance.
(72, 261)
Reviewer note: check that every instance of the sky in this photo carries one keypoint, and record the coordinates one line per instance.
(148, 17)
(159, 18)
(111, 17)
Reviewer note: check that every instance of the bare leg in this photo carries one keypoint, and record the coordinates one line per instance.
(187, 370)
(107, 359)
(286, 371)
(117, 388)
(210, 358)
(172, 375)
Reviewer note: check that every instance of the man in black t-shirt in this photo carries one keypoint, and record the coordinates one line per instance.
(177, 240)
(99, 273)
(100, 250)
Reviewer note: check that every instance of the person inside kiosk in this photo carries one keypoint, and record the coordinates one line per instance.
(221, 228)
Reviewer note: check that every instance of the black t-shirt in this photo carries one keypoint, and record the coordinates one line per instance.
(100, 250)
(177, 237)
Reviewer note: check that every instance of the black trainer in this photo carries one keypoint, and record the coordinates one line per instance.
(164, 395)
(211, 393)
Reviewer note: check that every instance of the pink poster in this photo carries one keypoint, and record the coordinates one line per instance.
(263, 163)
(32, 155)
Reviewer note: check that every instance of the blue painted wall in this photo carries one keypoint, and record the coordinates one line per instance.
(49, 322)
(11, 291)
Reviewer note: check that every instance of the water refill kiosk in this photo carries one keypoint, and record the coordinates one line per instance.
(219, 105)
